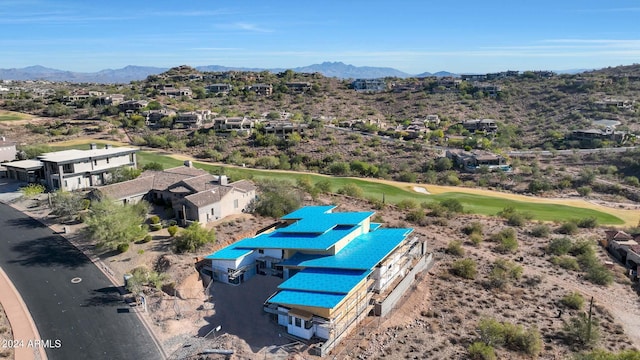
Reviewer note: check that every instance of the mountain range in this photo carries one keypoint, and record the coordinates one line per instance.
(132, 73)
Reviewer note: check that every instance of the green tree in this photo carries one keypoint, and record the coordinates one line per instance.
(124, 173)
(153, 166)
(194, 237)
(66, 204)
(111, 224)
(277, 198)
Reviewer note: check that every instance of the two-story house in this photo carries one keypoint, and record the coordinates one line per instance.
(79, 169)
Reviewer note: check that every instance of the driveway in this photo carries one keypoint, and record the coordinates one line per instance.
(72, 303)
(238, 311)
(9, 190)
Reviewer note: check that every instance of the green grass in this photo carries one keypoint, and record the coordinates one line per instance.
(12, 116)
(478, 204)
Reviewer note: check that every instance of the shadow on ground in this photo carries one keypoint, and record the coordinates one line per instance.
(104, 296)
(49, 251)
(238, 311)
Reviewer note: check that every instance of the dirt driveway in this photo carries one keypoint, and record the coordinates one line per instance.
(238, 311)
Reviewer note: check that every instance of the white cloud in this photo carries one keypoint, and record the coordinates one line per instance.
(244, 27)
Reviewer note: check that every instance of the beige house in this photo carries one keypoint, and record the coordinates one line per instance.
(194, 194)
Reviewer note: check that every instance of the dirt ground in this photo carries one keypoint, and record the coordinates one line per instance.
(5, 335)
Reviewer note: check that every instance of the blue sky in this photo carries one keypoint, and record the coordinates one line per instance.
(412, 36)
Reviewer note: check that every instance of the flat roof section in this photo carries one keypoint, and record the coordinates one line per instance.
(75, 154)
(363, 252)
(299, 241)
(336, 281)
(230, 252)
(308, 211)
(322, 223)
(306, 298)
(24, 164)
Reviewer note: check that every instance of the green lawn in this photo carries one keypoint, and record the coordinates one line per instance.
(478, 204)
(12, 116)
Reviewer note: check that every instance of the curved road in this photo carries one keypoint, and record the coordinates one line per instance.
(85, 319)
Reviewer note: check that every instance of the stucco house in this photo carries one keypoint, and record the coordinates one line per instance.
(194, 194)
(337, 268)
(7, 150)
(73, 169)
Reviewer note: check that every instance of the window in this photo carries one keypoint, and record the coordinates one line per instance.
(260, 251)
(65, 183)
(79, 181)
(290, 320)
(298, 322)
(107, 160)
(235, 203)
(95, 162)
(308, 324)
(211, 212)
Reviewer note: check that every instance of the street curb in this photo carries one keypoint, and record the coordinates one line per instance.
(18, 316)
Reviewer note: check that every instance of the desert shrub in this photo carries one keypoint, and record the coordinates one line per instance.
(277, 198)
(566, 262)
(584, 190)
(352, 190)
(506, 239)
(514, 217)
(122, 247)
(503, 272)
(474, 227)
(573, 300)
(588, 222)
(144, 240)
(540, 231)
(476, 238)
(437, 210)
(513, 337)
(582, 247)
(173, 229)
(599, 275)
(481, 351)
(416, 216)
(155, 219)
(455, 248)
(32, 190)
(578, 332)
(194, 237)
(142, 276)
(407, 204)
(568, 228)
(559, 246)
(155, 227)
(452, 205)
(465, 268)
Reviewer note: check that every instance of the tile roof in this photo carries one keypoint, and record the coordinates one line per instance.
(244, 185)
(201, 182)
(137, 186)
(209, 197)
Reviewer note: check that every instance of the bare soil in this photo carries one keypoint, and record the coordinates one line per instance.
(5, 335)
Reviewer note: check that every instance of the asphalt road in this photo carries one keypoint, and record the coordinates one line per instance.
(83, 320)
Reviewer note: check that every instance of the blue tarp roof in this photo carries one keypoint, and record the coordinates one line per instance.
(308, 211)
(363, 252)
(305, 298)
(321, 223)
(230, 252)
(308, 241)
(336, 281)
